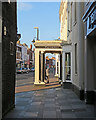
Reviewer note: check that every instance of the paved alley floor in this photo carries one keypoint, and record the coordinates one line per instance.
(50, 103)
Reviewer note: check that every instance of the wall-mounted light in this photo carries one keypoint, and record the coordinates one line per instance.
(5, 30)
(9, 1)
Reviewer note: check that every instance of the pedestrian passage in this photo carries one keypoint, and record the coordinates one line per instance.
(50, 103)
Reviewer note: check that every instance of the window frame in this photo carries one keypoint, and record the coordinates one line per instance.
(11, 48)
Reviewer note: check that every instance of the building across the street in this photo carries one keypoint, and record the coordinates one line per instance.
(30, 53)
(24, 56)
(50, 62)
(18, 55)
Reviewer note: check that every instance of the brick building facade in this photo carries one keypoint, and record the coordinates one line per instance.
(18, 55)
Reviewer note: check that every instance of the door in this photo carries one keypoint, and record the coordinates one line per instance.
(67, 67)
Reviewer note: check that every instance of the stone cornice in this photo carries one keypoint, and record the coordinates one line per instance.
(65, 43)
(48, 44)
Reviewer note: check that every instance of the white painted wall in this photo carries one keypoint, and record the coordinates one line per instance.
(77, 36)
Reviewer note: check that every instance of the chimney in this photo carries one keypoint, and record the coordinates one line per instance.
(31, 46)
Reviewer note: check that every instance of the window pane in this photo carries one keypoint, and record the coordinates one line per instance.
(68, 66)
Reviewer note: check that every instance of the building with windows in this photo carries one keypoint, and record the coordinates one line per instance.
(50, 62)
(79, 48)
(72, 29)
(25, 56)
(47, 61)
(30, 52)
(8, 39)
(66, 44)
(19, 55)
(33, 58)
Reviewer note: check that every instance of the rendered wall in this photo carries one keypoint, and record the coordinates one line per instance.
(77, 36)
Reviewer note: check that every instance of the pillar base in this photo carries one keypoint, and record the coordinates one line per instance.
(56, 75)
(60, 81)
(39, 83)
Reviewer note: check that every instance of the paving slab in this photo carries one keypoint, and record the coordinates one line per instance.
(50, 103)
(49, 114)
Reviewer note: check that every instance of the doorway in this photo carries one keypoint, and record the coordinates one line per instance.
(67, 67)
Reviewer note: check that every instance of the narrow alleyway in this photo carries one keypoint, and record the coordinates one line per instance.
(50, 103)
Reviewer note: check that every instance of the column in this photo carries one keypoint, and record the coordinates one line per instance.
(63, 65)
(40, 66)
(56, 66)
(42, 70)
(59, 69)
(43, 67)
(36, 66)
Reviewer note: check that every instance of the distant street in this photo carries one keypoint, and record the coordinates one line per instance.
(25, 79)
